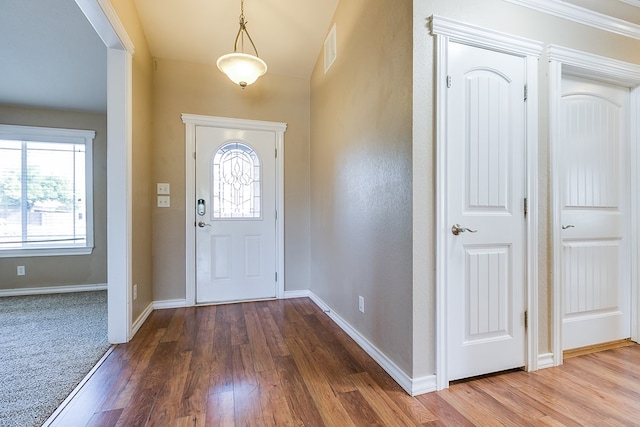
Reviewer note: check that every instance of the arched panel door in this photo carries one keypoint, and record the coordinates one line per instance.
(486, 230)
(596, 290)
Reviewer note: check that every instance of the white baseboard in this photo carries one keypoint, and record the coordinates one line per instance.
(297, 294)
(169, 303)
(53, 290)
(545, 361)
(422, 385)
(413, 386)
(141, 319)
(155, 305)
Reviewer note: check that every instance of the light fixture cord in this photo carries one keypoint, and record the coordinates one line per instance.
(242, 31)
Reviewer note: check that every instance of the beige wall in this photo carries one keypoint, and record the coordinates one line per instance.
(65, 270)
(143, 189)
(181, 87)
(517, 20)
(361, 201)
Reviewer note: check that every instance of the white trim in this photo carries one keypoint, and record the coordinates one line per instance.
(442, 365)
(583, 64)
(532, 214)
(484, 38)
(581, 15)
(411, 386)
(635, 3)
(189, 232)
(141, 319)
(37, 252)
(446, 30)
(422, 385)
(634, 211)
(232, 123)
(105, 21)
(120, 50)
(119, 211)
(170, 303)
(191, 121)
(37, 134)
(305, 293)
(555, 90)
(545, 361)
(45, 290)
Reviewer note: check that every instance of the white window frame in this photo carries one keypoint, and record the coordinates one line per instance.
(72, 136)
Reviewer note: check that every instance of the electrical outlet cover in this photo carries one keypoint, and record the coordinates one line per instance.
(164, 201)
(163, 188)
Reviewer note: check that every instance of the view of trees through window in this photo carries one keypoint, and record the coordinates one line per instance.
(42, 194)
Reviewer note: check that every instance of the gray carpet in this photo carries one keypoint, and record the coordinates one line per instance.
(48, 343)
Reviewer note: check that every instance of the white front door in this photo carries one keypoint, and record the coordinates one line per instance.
(594, 216)
(235, 215)
(485, 200)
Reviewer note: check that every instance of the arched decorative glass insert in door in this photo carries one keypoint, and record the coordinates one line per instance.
(236, 182)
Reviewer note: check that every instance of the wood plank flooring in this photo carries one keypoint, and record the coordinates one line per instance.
(285, 363)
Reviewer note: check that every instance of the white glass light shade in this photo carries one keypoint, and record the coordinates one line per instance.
(243, 69)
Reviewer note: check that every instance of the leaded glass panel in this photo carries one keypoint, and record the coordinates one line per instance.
(236, 182)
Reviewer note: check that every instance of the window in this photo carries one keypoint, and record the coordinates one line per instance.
(236, 182)
(46, 186)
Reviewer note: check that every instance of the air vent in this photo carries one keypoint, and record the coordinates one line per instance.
(330, 49)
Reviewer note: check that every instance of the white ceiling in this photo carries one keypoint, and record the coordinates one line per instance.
(52, 57)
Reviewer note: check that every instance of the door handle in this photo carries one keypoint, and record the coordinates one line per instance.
(203, 224)
(457, 229)
(564, 227)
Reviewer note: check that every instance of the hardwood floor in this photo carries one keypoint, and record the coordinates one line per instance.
(285, 363)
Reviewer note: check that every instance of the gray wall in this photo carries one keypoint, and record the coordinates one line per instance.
(65, 270)
(361, 200)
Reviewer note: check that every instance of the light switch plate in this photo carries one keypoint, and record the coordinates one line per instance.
(164, 201)
(163, 188)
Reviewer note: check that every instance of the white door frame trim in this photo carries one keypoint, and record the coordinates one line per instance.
(120, 51)
(583, 64)
(446, 30)
(191, 121)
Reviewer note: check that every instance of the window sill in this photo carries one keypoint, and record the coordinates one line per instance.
(28, 253)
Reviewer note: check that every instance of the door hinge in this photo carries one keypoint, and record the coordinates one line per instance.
(448, 81)
(194, 155)
(276, 276)
(526, 92)
(526, 207)
(276, 153)
(276, 215)
(526, 319)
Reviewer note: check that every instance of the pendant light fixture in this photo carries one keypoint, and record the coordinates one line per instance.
(242, 68)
